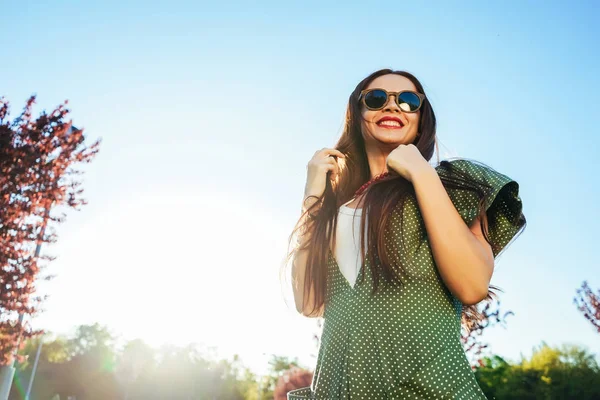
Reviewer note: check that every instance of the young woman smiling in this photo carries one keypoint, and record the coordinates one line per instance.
(394, 253)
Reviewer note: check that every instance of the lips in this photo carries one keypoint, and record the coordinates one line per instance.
(393, 122)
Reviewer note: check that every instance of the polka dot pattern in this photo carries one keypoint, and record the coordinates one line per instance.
(404, 341)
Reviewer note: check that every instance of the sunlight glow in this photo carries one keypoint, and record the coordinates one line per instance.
(186, 267)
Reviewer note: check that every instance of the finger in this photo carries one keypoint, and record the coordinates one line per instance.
(327, 166)
(338, 153)
(331, 161)
(333, 167)
(333, 152)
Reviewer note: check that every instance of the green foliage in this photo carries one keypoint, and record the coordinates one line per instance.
(82, 365)
(277, 366)
(89, 366)
(566, 372)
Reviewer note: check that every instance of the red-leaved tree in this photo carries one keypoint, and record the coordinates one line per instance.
(588, 303)
(37, 172)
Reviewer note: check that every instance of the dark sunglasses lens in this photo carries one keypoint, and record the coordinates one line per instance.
(409, 101)
(376, 99)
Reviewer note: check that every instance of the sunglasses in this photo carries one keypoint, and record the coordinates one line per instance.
(407, 100)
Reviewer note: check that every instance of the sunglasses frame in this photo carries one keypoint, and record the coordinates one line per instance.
(363, 93)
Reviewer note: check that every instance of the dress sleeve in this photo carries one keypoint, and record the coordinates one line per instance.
(500, 196)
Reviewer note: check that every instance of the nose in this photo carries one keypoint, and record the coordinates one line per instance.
(391, 104)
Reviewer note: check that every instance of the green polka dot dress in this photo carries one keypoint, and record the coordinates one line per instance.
(404, 342)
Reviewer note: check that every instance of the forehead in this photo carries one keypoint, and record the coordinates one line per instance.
(392, 83)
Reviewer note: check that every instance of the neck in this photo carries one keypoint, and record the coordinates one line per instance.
(376, 158)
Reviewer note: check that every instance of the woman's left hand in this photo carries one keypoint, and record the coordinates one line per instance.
(407, 161)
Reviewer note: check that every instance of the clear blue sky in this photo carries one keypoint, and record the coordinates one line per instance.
(210, 112)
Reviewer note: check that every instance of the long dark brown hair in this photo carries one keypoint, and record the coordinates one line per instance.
(379, 200)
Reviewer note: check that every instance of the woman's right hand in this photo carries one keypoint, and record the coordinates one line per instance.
(318, 167)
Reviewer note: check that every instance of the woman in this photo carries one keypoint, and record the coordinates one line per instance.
(393, 297)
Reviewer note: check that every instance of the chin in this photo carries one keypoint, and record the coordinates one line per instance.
(390, 137)
(396, 139)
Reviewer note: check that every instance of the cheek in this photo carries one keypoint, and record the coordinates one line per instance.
(366, 124)
(367, 116)
(414, 119)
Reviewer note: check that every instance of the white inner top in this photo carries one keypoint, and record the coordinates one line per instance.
(347, 246)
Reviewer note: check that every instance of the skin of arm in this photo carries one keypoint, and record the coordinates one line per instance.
(463, 257)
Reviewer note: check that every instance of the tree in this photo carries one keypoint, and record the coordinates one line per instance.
(565, 372)
(89, 372)
(90, 338)
(588, 303)
(185, 372)
(37, 171)
(81, 365)
(278, 366)
(87, 365)
(54, 352)
(294, 378)
(136, 359)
